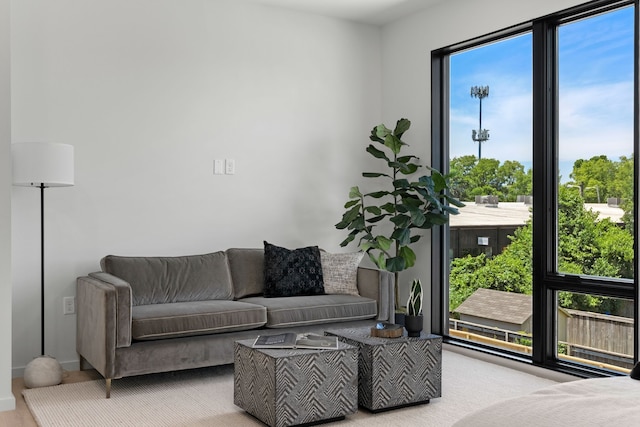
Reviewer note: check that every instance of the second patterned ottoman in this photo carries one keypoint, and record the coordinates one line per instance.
(395, 372)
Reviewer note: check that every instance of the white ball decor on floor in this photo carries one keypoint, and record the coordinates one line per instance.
(43, 371)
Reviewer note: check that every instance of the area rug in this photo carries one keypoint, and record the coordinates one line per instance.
(204, 397)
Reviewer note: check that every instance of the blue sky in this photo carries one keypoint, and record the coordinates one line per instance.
(596, 93)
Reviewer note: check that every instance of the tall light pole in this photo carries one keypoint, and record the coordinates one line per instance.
(481, 135)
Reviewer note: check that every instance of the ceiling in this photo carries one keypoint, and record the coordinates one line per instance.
(378, 12)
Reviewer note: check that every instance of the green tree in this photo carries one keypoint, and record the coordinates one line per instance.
(586, 246)
(593, 178)
(509, 271)
(471, 177)
(622, 187)
(514, 180)
(461, 176)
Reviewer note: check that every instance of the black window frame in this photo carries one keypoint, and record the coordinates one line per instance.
(545, 168)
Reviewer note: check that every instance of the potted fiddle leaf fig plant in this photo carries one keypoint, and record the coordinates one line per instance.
(413, 320)
(389, 219)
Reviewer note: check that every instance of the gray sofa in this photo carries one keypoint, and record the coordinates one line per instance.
(143, 315)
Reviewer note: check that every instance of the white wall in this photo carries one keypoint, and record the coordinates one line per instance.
(7, 401)
(406, 71)
(150, 92)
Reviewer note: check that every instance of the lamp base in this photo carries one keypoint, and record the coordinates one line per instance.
(43, 371)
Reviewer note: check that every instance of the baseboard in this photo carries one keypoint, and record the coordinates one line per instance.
(7, 403)
(513, 364)
(73, 365)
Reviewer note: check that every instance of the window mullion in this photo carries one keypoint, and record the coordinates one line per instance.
(544, 188)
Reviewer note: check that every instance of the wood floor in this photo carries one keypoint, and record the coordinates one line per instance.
(21, 417)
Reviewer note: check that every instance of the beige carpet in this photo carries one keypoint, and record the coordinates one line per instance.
(205, 398)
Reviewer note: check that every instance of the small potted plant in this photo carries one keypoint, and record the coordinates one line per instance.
(413, 320)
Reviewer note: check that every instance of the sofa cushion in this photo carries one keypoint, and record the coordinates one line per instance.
(314, 310)
(247, 271)
(157, 321)
(292, 272)
(340, 272)
(160, 280)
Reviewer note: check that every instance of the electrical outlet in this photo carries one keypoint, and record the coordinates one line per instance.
(69, 305)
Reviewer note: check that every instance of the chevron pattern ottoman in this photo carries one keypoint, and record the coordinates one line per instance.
(395, 372)
(283, 387)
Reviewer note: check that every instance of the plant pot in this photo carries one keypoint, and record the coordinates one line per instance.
(399, 319)
(413, 325)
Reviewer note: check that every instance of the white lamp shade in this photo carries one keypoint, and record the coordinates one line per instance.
(42, 163)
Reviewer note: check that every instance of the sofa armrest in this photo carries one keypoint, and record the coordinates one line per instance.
(103, 319)
(379, 285)
(123, 306)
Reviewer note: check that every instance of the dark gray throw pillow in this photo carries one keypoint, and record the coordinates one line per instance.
(292, 272)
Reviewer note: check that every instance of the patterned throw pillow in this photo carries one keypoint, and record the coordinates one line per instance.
(340, 272)
(289, 273)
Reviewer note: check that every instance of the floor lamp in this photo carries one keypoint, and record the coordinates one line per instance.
(42, 165)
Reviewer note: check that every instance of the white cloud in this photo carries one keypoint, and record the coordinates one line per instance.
(594, 120)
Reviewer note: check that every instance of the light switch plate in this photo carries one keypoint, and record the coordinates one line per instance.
(218, 167)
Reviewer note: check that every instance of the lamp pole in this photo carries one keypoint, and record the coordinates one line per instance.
(42, 187)
(481, 135)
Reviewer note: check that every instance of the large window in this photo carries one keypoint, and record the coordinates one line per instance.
(537, 127)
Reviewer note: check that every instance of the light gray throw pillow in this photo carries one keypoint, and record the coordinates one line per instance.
(340, 272)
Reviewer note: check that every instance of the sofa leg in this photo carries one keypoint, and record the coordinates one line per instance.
(108, 383)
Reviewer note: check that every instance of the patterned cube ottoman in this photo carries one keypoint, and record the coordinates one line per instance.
(283, 387)
(395, 372)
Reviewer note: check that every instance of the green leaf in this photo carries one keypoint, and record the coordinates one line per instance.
(348, 240)
(393, 143)
(381, 131)
(409, 169)
(395, 264)
(412, 202)
(401, 183)
(418, 218)
(439, 182)
(351, 203)
(354, 192)
(374, 135)
(357, 224)
(401, 221)
(342, 225)
(378, 261)
(402, 126)
(377, 218)
(351, 214)
(454, 201)
(379, 154)
(402, 235)
(366, 246)
(401, 208)
(384, 243)
(373, 209)
(406, 159)
(389, 207)
(433, 219)
(348, 218)
(373, 174)
(409, 256)
(403, 168)
(378, 194)
(450, 210)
